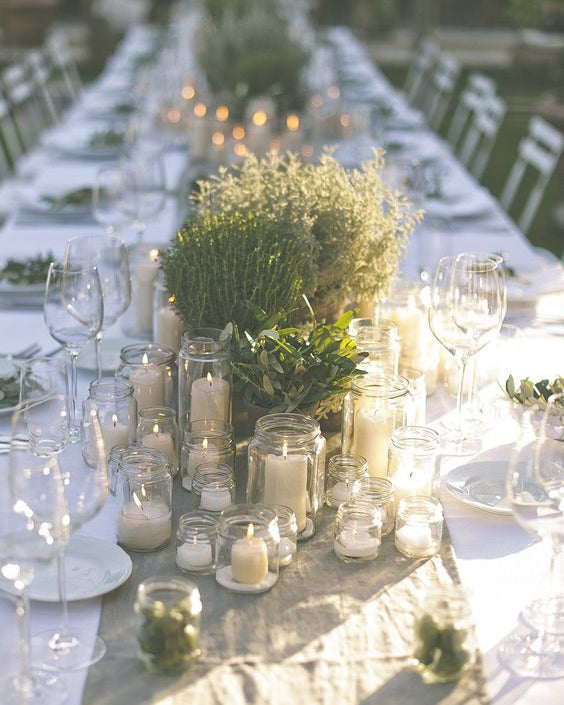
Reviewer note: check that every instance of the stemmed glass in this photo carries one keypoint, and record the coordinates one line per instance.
(107, 200)
(465, 314)
(73, 311)
(535, 487)
(144, 188)
(109, 255)
(86, 488)
(33, 531)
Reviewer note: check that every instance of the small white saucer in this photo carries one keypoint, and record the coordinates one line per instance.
(224, 577)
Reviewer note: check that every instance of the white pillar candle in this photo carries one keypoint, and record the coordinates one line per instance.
(356, 543)
(190, 556)
(285, 482)
(144, 526)
(162, 441)
(200, 132)
(249, 559)
(215, 499)
(415, 540)
(412, 326)
(114, 434)
(169, 328)
(148, 385)
(209, 398)
(411, 484)
(144, 283)
(373, 429)
(196, 456)
(287, 550)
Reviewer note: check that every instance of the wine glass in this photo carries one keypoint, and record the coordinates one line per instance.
(144, 188)
(107, 200)
(86, 486)
(73, 311)
(535, 487)
(465, 314)
(33, 530)
(109, 255)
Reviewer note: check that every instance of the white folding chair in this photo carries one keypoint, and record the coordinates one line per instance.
(23, 104)
(66, 71)
(7, 135)
(41, 74)
(420, 68)
(439, 92)
(540, 151)
(478, 88)
(477, 144)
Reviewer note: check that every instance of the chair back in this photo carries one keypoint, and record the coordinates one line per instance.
(65, 69)
(19, 92)
(7, 135)
(478, 88)
(477, 144)
(539, 150)
(439, 92)
(420, 69)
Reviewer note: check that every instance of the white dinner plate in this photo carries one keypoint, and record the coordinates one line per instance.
(481, 485)
(92, 568)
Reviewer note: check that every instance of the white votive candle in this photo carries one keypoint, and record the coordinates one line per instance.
(194, 555)
(411, 484)
(356, 543)
(215, 499)
(169, 328)
(148, 385)
(249, 559)
(197, 456)
(373, 430)
(287, 550)
(114, 434)
(285, 482)
(144, 282)
(209, 398)
(144, 526)
(161, 441)
(415, 540)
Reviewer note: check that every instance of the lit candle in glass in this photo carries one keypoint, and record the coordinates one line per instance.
(249, 559)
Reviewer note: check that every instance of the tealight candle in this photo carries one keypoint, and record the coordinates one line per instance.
(419, 527)
(194, 555)
(148, 385)
(343, 470)
(356, 544)
(195, 542)
(249, 559)
(209, 398)
(198, 456)
(285, 482)
(161, 441)
(114, 434)
(213, 487)
(358, 530)
(144, 526)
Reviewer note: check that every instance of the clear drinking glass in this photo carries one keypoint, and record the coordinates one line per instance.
(144, 188)
(107, 200)
(73, 311)
(33, 531)
(109, 255)
(535, 488)
(465, 314)
(70, 648)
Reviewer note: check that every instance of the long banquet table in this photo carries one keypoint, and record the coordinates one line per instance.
(317, 636)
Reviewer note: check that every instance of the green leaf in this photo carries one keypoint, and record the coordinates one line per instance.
(267, 385)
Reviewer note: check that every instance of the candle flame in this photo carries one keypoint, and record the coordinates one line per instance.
(292, 123)
(114, 420)
(218, 138)
(210, 378)
(205, 445)
(260, 118)
(240, 149)
(238, 132)
(154, 254)
(137, 500)
(222, 113)
(345, 120)
(284, 450)
(188, 92)
(333, 92)
(156, 428)
(171, 299)
(250, 531)
(200, 110)
(145, 359)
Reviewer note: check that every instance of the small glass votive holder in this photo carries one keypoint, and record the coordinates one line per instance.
(168, 623)
(195, 543)
(247, 548)
(205, 441)
(288, 528)
(157, 428)
(213, 487)
(114, 460)
(377, 492)
(342, 471)
(152, 371)
(358, 532)
(418, 391)
(419, 527)
(444, 636)
(413, 462)
(117, 410)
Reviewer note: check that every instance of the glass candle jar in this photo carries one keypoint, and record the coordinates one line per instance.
(381, 342)
(419, 526)
(114, 461)
(418, 391)
(373, 408)
(168, 327)
(406, 306)
(205, 441)
(137, 321)
(213, 487)
(117, 410)
(157, 428)
(247, 548)
(151, 370)
(358, 532)
(195, 543)
(342, 471)
(204, 389)
(377, 492)
(144, 488)
(445, 644)
(287, 466)
(288, 529)
(414, 458)
(168, 623)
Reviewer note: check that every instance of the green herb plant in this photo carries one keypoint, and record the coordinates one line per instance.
(287, 369)
(24, 272)
(441, 649)
(530, 393)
